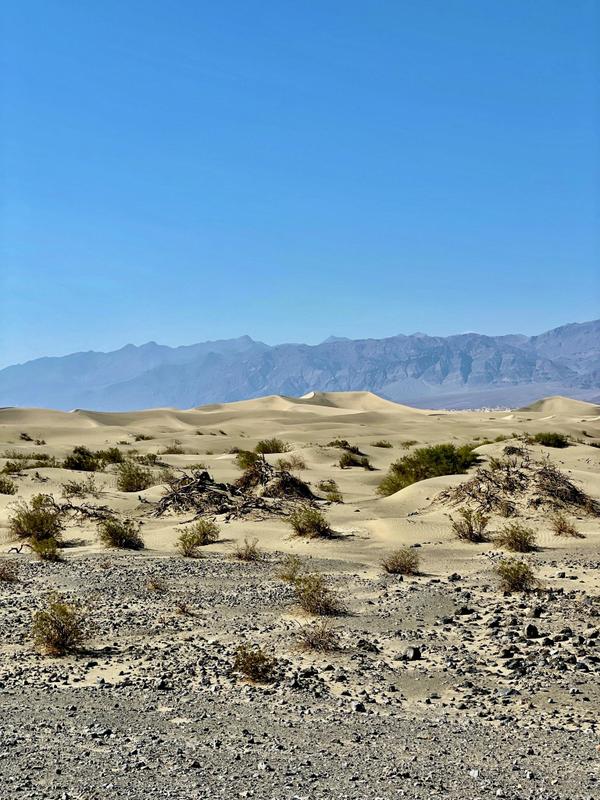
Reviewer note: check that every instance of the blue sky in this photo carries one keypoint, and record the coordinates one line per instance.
(181, 170)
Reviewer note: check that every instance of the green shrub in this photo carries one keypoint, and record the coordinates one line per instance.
(562, 526)
(290, 568)
(246, 459)
(124, 534)
(515, 575)
(516, 537)
(196, 535)
(248, 551)
(81, 459)
(274, 445)
(551, 439)
(427, 462)
(81, 488)
(313, 595)
(404, 561)
(112, 455)
(132, 477)
(39, 519)
(471, 526)
(7, 486)
(253, 663)
(382, 443)
(59, 628)
(331, 490)
(344, 444)
(148, 459)
(46, 549)
(310, 522)
(348, 459)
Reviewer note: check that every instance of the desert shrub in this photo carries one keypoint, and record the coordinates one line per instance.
(25, 437)
(506, 508)
(313, 595)
(561, 525)
(427, 462)
(348, 460)
(173, 449)
(81, 459)
(331, 489)
(290, 568)
(9, 572)
(196, 535)
(148, 460)
(142, 437)
(59, 628)
(274, 445)
(344, 444)
(7, 486)
(124, 534)
(408, 443)
(291, 463)
(515, 575)
(15, 467)
(516, 537)
(382, 443)
(319, 636)
(551, 439)
(246, 459)
(248, 551)
(112, 455)
(39, 519)
(471, 525)
(310, 522)
(132, 477)
(404, 561)
(46, 549)
(81, 488)
(156, 585)
(253, 663)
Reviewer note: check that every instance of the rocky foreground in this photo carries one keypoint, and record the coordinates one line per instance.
(440, 688)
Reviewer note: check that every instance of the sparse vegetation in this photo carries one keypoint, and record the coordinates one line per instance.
(246, 458)
(551, 439)
(427, 462)
(408, 443)
(39, 519)
(112, 455)
(7, 486)
(311, 523)
(132, 477)
(248, 551)
(331, 490)
(313, 595)
(348, 459)
(382, 443)
(274, 445)
(197, 535)
(254, 664)
(404, 561)
(515, 575)
(142, 437)
(124, 534)
(516, 537)
(290, 568)
(81, 459)
(46, 549)
(292, 463)
(561, 525)
(471, 526)
(173, 449)
(9, 572)
(344, 444)
(84, 488)
(59, 628)
(319, 636)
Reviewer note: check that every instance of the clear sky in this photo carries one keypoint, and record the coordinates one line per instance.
(181, 170)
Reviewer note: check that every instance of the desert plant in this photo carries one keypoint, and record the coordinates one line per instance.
(551, 439)
(427, 462)
(515, 575)
(7, 486)
(253, 663)
(404, 561)
(382, 443)
(59, 628)
(132, 477)
(81, 459)
(196, 535)
(320, 636)
(331, 489)
(274, 445)
(408, 443)
(46, 549)
(156, 585)
(516, 537)
(248, 551)
(148, 459)
(173, 449)
(112, 455)
(246, 459)
(348, 460)
(310, 522)
(124, 534)
(344, 444)
(313, 595)
(9, 572)
(82, 488)
(562, 526)
(290, 568)
(292, 463)
(25, 437)
(36, 520)
(471, 525)
(142, 437)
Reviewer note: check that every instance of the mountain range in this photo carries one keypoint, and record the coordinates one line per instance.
(463, 371)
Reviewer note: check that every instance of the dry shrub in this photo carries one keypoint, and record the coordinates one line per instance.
(274, 445)
(7, 486)
(81, 488)
(248, 551)
(156, 585)
(310, 522)
(124, 534)
(516, 537)
(515, 575)
(331, 489)
(132, 477)
(196, 535)
(313, 595)
(9, 572)
(290, 568)
(39, 519)
(59, 628)
(254, 664)
(404, 561)
(348, 459)
(320, 637)
(291, 463)
(382, 443)
(562, 526)
(46, 549)
(471, 526)
(173, 449)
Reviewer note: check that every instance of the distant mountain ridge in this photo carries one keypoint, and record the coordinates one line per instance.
(465, 370)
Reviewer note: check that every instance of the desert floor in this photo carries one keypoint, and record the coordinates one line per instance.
(153, 706)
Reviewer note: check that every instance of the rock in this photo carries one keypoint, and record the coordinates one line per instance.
(531, 631)
(412, 654)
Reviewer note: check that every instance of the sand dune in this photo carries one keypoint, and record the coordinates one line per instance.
(563, 406)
